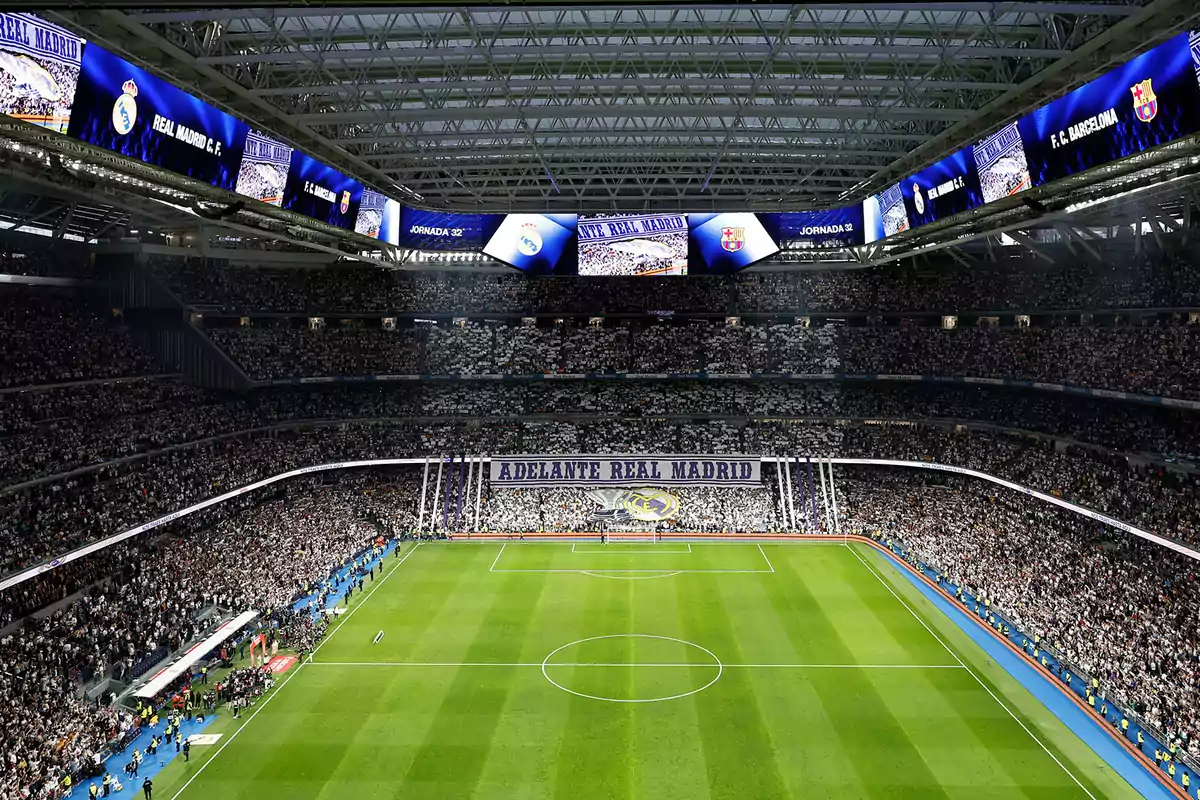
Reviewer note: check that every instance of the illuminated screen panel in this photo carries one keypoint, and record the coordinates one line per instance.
(537, 244)
(264, 168)
(370, 213)
(39, 70)
(1152, 100)
(445, 231)
(884, 215)
(129, 111)
(723, 243)
(319, 191)
(941, 190)
(633, 244)
(1001, 165)
(831, 228)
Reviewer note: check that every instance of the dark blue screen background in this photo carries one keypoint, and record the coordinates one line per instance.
(473, 229)
(1170, 68)
(305, 168)
(959, 165)
(100, 82)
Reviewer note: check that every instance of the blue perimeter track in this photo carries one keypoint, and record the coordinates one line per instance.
(1084, 725)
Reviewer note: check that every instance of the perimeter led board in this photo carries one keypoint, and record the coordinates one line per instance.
(319, 191)
(1152, 100)
(39, 70)
(633, 244)
(127, 110)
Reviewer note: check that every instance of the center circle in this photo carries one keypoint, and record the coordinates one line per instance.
(660, 667)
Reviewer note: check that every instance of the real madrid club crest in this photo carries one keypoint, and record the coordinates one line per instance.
(1145, 102)
(124, 113)
(529, 241)
(918, 199)
(345, 206)
(733, 239)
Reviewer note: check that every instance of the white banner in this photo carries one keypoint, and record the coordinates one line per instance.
(542, 471)
(616, 228)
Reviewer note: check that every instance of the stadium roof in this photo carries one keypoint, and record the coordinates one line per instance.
(633, 106)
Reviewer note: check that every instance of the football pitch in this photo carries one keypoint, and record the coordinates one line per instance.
(664, 670)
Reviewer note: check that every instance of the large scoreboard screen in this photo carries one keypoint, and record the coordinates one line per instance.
(53, 79)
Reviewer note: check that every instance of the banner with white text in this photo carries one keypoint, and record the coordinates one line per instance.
(549, 472)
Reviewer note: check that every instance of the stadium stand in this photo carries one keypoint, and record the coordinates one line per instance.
(1107, 358)
(1130, 282)
(133, 443)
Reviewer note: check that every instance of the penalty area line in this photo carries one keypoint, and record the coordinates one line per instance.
(492, 568)
(970, 671)
(288, 679)
(764, 555)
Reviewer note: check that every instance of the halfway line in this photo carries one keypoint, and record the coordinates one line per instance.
(622, 664)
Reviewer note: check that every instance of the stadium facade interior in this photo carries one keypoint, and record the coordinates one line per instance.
(736, 400)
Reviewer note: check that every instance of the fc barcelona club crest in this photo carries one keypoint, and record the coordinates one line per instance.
(1145, 102)
(345, 206)
(733, 239)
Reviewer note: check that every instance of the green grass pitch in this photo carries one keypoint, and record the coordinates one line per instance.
(782, 671)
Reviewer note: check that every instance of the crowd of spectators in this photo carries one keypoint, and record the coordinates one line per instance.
(52, 431)
(1161, 361)
(45, 520)
(1122, 281)
(701, 508)
(52, 335)
(150, 598)
(27, 256)
(1118, 608)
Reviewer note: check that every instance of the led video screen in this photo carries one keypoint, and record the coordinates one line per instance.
(884, 214)
(633, 244)
(321, 192)
(39, 70)
(127, 110)
(537, 244)
(1152, 100)
(834, 227)
(444, 230)
(1001, 165)
(728, 242)
(941, 190)
(264, 169)
(370, 213)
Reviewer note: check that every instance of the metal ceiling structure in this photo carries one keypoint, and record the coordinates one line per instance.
(631, 107)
